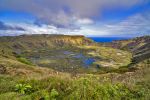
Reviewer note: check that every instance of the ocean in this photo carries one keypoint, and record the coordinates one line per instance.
(108, 39)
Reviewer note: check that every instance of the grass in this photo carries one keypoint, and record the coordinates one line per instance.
(60, 86)
(48, 84)
(24, 51)
(24, 60)
(24, 81)
(82, 88)
(109, 57)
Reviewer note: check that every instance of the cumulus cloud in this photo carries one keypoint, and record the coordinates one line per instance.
(44, 29)
(85, 21)
(135, 25)
(73, 17)
(4, 27)
(62, 12)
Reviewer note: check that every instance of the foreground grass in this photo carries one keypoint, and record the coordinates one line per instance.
(111, 86)
(20, 81)
(83, 88)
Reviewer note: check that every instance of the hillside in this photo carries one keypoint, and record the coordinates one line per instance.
(45, 40)
(60, 67)
(74, 53)
(139, 47)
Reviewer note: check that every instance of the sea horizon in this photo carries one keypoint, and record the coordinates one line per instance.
(108, 39)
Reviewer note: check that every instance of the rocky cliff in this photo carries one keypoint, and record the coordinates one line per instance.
(139, 47)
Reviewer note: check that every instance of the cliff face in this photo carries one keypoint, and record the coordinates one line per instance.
(41, 41)
(139, 47)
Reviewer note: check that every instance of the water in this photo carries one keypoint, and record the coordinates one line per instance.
(87, 61)
(74, 58)
(108, 39)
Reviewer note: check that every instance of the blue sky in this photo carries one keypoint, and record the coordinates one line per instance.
(120, 18)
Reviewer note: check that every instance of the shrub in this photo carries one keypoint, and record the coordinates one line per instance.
(23, 88)
(40, 95)
(53, 94)
(45, 95)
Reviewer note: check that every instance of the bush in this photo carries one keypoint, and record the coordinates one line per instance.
(45, 95)
(23, 88)
(40, 95)
(53, 94)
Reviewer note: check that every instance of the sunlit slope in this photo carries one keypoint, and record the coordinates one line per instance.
(15, 68)
(43, 41)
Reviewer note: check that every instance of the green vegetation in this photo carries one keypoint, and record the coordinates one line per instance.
(139, 47)
(110, 57)
(83, 88)
(24, 60)
(23, 88)
(44, 68)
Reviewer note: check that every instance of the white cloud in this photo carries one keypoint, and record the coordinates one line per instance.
(85, 21)
(132, 26)
(49, 29)
(30, 29)
(61, 12)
